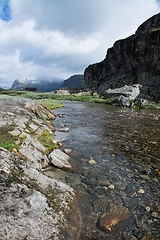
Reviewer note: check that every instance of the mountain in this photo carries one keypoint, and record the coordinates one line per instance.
(74, 81)
(134, 60)
(42, 84)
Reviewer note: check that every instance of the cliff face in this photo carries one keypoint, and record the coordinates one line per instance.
(135, 59)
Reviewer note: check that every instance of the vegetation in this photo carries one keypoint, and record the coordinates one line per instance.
(155, 29)
(46, 139)
(7, 140)
(50, 99)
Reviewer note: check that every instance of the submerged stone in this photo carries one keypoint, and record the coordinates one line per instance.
(114, 216)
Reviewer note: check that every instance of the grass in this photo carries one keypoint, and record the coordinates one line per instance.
(7, 140)
(50, 99)
(155, 29)
(50, 103)
(46, 140)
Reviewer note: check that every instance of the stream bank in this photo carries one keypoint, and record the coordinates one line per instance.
(33, 205)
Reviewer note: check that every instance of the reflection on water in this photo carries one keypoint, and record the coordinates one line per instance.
(116, 155)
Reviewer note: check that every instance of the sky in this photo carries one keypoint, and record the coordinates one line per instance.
(60, 38)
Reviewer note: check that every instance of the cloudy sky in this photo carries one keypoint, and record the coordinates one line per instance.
(62, 37)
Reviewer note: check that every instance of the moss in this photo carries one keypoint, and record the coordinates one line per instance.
(7, 140)
(155, 29)
(46, 139)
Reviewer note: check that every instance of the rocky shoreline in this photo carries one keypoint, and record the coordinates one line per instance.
(33, 205)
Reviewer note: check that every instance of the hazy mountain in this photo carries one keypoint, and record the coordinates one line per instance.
(74, 81)
(42, 84)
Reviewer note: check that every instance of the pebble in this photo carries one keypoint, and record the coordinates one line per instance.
(141, 191)
(148, 209)
(92, 161)
(111, 186)
(155, 215)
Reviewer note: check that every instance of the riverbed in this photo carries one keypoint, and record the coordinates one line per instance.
(116, 168)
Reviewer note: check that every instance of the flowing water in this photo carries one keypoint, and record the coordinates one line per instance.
(116, 169)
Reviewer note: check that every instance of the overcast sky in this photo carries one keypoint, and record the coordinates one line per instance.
(62, 37)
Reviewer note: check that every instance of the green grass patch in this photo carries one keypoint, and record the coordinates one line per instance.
(46, 140)
(7, 140)
(50, 103)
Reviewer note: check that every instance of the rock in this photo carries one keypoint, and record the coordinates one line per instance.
(111, 186)
(92, 161)
(155, 215)
(141, 102)
(83, 93)
(130, 61)
(114, 216)
(131, 92)
(33, 143)
(68, 151)
(124, 102)
(21, 124)
(40, 160)
(33, 127)
(59, 159)
(62, 92)
(40, 110)
(15, 132)
(63, 129)
(141, 191)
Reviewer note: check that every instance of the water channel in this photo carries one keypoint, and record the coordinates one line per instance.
(116, 169)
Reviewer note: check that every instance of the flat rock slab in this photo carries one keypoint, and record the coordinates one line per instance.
(59, 159)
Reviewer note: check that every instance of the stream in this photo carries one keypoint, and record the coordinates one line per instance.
(116, 169)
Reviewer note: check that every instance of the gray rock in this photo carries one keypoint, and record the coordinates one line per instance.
(15, 132)
(83, 93)
(25, 213)
(59, 159)
(63, 129)
(20, 124)
(40, 161)
(33, 126)
(124, 102)
(141, 102)
(33, 143)
(131, 92)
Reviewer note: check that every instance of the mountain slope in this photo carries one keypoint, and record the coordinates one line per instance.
(42, 84)
(74, 81)
(135, 59)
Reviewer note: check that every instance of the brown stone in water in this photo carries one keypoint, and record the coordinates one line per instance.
(114, 216)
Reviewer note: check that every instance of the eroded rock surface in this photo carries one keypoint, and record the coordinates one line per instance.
(32, 205)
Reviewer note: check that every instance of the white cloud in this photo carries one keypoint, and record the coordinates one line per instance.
(58, 38)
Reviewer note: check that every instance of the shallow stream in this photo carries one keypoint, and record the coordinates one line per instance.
(116, 165)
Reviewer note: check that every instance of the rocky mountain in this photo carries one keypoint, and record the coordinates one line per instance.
(42, 84)
(134, 60)
(74, 81)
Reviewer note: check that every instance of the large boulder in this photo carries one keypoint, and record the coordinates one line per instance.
(131, 92)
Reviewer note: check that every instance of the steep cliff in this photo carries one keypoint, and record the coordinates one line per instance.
(133, 60)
